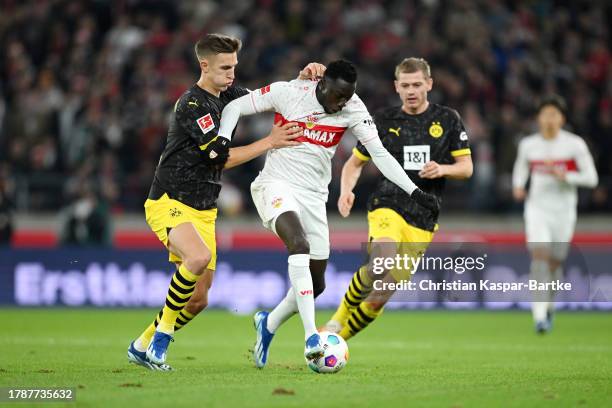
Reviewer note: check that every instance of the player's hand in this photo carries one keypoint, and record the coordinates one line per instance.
(519, 194)
(432, 170)
(426, 200)
(282, 136)
(313, 71)
(345, 203)
(217, 151)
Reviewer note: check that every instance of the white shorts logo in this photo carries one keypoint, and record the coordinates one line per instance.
(415, 157)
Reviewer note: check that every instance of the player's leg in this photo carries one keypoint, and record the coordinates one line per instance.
(288, 306)
(266, 324)
(539, 238)
(562, 233)
(413, 242)
(540, 272)
(382, 228)
(176, 225)
(185, 242)
(197, 303)
(289, 228)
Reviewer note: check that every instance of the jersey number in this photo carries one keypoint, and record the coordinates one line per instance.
(415, 157)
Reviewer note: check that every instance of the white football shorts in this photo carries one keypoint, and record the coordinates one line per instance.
(548, 229)
(275, 197)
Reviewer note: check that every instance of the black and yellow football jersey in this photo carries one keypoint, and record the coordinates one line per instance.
(182, 172)
(437, 134)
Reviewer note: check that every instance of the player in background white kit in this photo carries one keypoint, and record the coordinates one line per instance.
(559, 162)
(291, 191)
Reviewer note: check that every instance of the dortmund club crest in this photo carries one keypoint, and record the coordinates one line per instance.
(435, 130)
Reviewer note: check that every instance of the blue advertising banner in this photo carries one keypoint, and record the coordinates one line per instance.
(472, 276)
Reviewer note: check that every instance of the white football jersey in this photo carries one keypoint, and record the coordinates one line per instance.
(308, 165)
(538, 157)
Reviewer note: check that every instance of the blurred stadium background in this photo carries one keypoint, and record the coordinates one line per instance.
(87, 87)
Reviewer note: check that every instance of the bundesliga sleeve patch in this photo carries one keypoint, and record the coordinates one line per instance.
(206, 123)
(264, 90)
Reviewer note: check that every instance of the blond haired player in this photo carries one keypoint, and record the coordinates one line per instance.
(431, 143)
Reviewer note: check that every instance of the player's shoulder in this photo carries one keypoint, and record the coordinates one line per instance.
(389, 113)
(287, 88)
(571, 137)
(233, 92)
(355, 106)
(531, 139)
(443, 111)
(192, 98)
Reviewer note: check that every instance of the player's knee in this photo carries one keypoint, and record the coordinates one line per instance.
(298, 244)
(197, 263)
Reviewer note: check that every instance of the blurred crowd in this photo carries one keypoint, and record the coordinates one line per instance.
(87, 86)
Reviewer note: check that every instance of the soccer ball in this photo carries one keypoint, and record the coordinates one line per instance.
(335, 356)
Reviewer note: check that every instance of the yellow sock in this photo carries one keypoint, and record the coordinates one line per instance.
(179, 292)
(182, 319)
(143, 341)
(361, 317)
(359, 289)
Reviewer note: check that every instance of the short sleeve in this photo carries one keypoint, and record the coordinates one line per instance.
(459, 143)
(361, 152)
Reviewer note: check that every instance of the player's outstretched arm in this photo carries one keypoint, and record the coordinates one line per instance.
(268, 98)
(393, 171)
(350, 174)
(279, 137)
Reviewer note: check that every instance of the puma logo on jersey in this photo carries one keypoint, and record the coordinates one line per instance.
(192, 103)
(396, 131)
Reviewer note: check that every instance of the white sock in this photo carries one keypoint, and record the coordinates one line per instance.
(283, 311)
(540, 272)
(557, 274)
(301, 281)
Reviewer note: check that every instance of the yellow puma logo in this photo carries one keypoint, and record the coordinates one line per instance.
(396, 131)
(192, 103)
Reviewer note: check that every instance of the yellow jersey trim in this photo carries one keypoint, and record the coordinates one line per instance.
(204, 146)
(461, 152)
(360, 155)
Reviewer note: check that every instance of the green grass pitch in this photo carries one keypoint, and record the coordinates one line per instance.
(416, 359)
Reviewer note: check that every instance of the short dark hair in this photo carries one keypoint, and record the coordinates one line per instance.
(342, 69)
(553, 100)
(216, 44)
